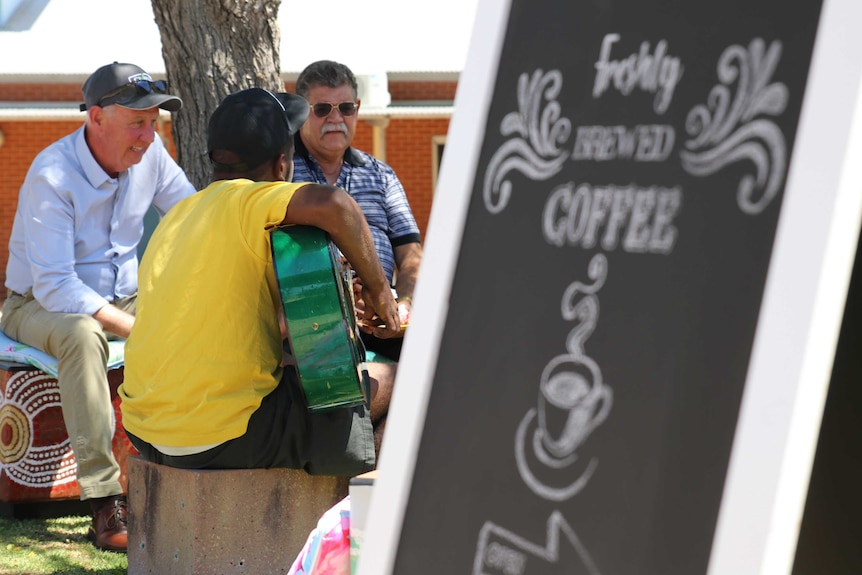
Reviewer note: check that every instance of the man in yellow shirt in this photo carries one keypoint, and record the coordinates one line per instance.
(204, 386)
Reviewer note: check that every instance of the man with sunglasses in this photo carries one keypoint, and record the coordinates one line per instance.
(324, 155)
(72, 274)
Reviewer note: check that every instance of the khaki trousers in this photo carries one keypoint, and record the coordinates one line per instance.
(81, 348)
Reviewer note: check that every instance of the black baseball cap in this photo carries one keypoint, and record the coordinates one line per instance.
(128, 86)
(256, 125)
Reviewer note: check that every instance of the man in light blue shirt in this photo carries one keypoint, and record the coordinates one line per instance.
(72, 274)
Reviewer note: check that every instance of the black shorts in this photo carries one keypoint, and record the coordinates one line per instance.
(283, 433)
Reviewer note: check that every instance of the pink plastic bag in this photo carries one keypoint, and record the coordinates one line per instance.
(327, 550)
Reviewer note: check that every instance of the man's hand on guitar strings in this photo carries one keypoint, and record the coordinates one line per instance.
(379, 315)
(368, 325)
(374, 324)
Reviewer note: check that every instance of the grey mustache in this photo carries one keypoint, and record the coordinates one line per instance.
(340, 127)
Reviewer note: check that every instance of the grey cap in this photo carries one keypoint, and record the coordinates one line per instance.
(128, 86)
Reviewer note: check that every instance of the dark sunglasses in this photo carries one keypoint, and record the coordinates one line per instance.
(128, 92)
(323, 109)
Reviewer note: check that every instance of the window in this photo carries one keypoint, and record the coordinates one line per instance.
(437, 145)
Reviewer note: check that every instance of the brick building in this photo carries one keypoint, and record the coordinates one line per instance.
(41, 88)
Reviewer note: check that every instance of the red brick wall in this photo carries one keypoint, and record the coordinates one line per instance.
(23, 140)
(408, 146)
(422, 90)
(41, 92)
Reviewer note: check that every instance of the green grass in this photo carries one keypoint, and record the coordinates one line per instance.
(58, 545)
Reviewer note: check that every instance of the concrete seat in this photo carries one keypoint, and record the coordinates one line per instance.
(254, 521)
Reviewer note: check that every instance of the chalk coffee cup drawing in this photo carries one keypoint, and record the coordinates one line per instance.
(572, 402)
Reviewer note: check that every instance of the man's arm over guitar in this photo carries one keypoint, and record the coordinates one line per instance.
(335, 212)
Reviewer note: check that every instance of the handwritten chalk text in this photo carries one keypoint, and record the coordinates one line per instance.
(636, 218)
(657, 73)
(644, 143)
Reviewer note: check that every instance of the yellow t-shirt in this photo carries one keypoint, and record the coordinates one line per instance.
(206, 345)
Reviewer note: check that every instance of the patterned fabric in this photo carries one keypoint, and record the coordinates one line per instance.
(327, 550)
(377, 190)
(13, 351)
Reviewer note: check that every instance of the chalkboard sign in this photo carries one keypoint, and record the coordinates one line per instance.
(606, 280)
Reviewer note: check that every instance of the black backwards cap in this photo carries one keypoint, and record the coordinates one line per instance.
(128, 86)
(254, 124)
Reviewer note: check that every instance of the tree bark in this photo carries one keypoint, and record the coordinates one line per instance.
(212, 48)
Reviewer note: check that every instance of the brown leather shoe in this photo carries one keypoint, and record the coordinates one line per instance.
(108, 531)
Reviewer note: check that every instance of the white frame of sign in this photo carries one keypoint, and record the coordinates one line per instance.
(798, 326)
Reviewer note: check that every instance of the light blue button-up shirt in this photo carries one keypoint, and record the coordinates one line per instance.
(76, 230)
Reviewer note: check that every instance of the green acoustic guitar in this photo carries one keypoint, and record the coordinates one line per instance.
(317, 298)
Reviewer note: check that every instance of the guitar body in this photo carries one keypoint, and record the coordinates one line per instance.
(317, 298)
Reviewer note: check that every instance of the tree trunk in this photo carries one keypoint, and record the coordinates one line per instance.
(212, 48)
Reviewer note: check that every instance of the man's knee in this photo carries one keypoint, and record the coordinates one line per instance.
(384, 373)
(79, 333)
